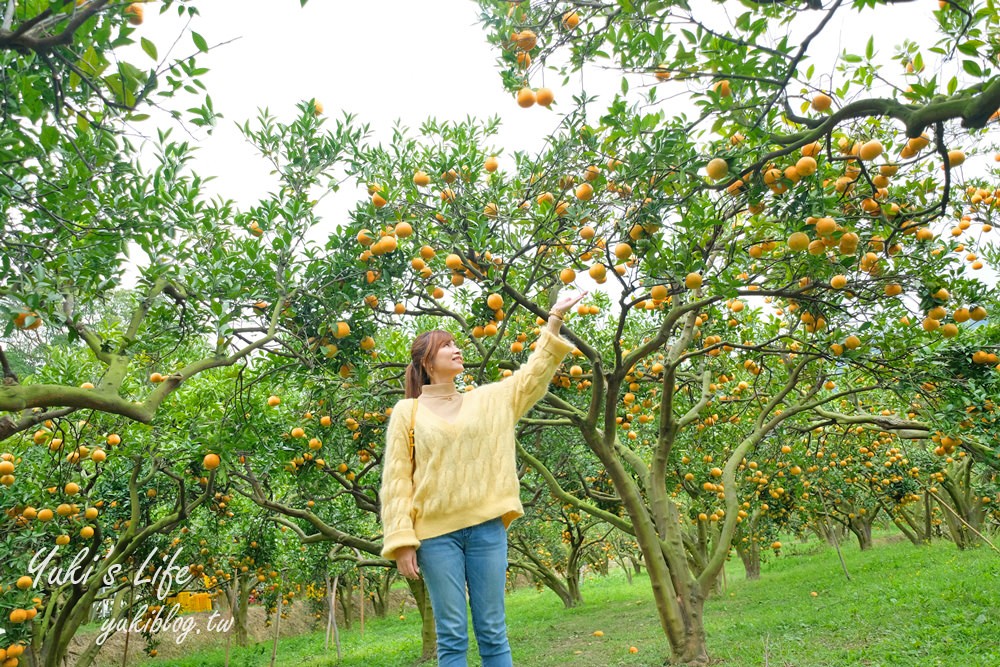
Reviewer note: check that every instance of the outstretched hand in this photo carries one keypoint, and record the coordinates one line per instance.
(565, 303)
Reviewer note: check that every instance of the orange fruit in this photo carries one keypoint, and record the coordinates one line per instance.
(87, 532)
(525, 98)
(24, 583)
(658, 293)
(822, 102)
(134, 13)
(798, 241)
(584, 192)
(806, 165)
(598, 272)
(18, 616)
(812, 150)
(722, 88)
(491, 163)
(421, 178)
(211, 461)
(273, 401)
(570, 20)
(114, 439)
(662, 72)
(870, 150)
(45, 515)
(343, 330)
(567, 276)
(378, 200)
(453, 262)
(956, 158)
(717, 169)
(404, 229)
(71, 489)
(826, 226)
(587, 232)
(838, 282)
(494, 301)
(298, 432)
(526, 40)
(62, 540)
(99, 456)
(21, 318)
(623, 251)
(852, 342)
(692, 280)
(544, 97)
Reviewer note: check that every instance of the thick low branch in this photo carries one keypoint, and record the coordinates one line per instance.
(569, 498)
(904, 428)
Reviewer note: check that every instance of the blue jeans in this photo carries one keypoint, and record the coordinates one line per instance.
(477, 557)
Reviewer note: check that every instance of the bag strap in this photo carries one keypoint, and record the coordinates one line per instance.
(413, 437)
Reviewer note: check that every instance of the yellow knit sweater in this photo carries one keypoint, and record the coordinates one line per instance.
(466, 471)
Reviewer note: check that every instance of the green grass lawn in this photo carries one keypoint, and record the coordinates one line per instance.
(904, 606)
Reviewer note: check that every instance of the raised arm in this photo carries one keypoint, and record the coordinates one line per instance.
(530, 382)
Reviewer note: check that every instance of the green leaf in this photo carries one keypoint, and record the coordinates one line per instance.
(148, 47)
(49, 137)
(624, 85)
(199, 42)
(972, 67)
(870, 49)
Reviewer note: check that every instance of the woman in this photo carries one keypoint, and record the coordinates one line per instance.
(445, 513)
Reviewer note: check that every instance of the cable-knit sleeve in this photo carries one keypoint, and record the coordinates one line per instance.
(396, 494)
(529, 383)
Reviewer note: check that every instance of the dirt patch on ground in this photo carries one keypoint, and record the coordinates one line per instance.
(194, 633)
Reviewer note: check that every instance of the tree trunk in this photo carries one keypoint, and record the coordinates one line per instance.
(241, 612)
(695, 650)
(346, 596)
(380, 603)
(428, 635)
(751, 559)
(862, 529)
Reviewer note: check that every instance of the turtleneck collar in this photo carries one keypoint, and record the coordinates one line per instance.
(441, 390)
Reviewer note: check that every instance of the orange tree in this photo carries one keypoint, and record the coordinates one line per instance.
(812, 236)
(555, 540)
(205, 258)
(90, 504)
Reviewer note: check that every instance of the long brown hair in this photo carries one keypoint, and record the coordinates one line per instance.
(422, 352)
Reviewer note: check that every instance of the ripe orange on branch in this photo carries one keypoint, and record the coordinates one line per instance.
(525, 98)
(526, 40)
(134, 13)
(821, 102)
(717, 169)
